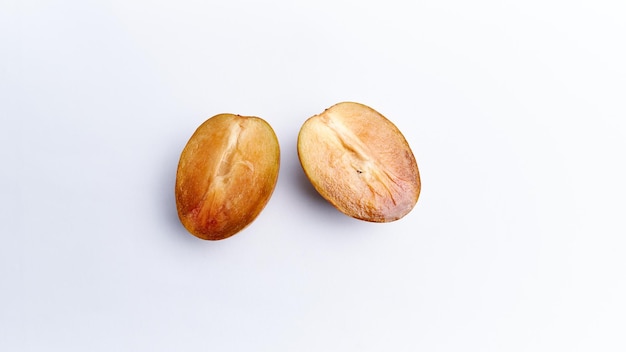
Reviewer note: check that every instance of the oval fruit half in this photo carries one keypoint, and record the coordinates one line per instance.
(226, 175)
(360, 162)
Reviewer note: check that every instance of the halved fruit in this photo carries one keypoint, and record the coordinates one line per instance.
(226, 175)
(360, 162)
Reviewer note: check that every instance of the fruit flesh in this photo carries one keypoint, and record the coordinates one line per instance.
(226, 175)
(360, 162)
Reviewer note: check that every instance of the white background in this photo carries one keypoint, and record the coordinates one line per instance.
(515, 111)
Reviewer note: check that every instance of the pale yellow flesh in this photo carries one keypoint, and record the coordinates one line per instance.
(360, 162)
(226, 175)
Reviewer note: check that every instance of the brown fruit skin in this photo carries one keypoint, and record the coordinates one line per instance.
(360, 162)
(226, 175)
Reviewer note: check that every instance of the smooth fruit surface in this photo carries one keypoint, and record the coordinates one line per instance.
(226, 175)
(360, 162)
